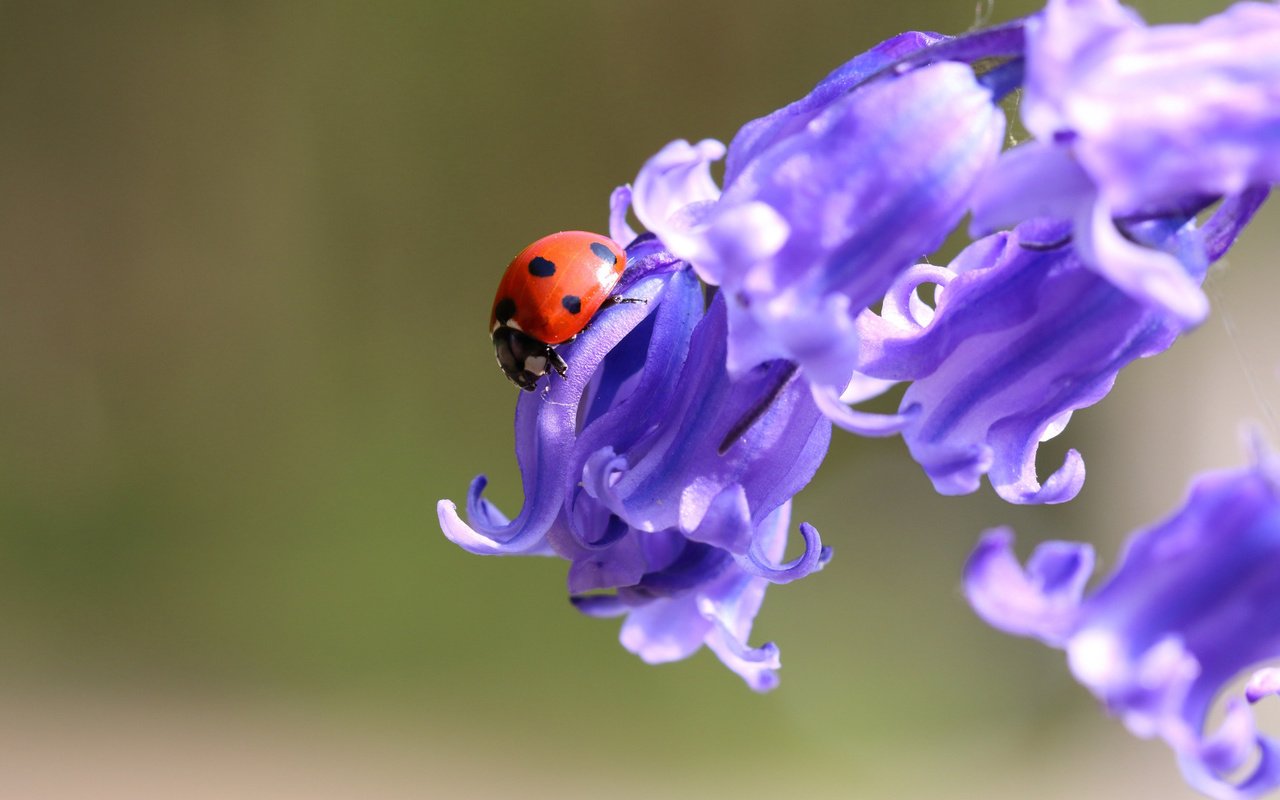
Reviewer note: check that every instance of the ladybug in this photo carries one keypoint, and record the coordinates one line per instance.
(547, 296)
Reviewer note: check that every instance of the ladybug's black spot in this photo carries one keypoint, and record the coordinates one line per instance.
(505, 310)
(540, 267)
(603, 253)
(572, 303)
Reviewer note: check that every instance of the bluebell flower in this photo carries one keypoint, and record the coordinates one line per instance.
(665, 483)
(1193, 604)
(826, 201)
(1136, 121)
(1023, 335)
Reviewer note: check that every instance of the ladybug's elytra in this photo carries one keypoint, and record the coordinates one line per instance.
(547, 296)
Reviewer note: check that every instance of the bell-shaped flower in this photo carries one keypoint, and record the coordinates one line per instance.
(1134, 121)
(826, 200)
(1193, 604)
(662, 480)
(1023, 334)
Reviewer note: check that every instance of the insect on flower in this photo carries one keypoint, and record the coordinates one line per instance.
(548, 294)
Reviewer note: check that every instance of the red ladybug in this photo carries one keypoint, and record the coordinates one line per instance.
(547, 296)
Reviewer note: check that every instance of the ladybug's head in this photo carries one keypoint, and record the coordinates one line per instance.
(523, 358)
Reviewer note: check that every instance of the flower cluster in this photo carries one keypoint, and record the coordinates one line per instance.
(662, 467)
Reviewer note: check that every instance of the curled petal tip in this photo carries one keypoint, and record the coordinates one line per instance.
(863, 423)
(1040, 600)
(524, 541)
(619, 204)
(1263, 683)
(1063, 485)
(601, 471)
(815, 556)
(1233, 742)
(756, 665)
(954, 470)
(462, 534)
(1147, 274)
(672, 183)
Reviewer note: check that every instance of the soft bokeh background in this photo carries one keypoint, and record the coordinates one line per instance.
(248, 251)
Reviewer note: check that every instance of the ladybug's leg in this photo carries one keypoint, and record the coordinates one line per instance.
(556, 362)
(609, 302)
(618, 299)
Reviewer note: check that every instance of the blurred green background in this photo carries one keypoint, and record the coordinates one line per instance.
(248, 251)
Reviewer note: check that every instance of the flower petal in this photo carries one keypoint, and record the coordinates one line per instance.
(674, 190)
(1042, 601)
(724, 523)
(760, 134)
(665, 630)
(863, 423)
(757, 665)
(1144, 273)
(1032, 180)
(1263, 683)
(733, 606)
(814, 558)
(623, 563)
(619, 204)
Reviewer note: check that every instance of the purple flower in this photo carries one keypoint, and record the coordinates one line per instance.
(1131, 120)
(1263, 683)
(664, 482)
(1023, 335)
(1194, 603)
(825, 201)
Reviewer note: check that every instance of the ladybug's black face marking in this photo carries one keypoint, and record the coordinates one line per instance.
(505, 310)
(540, 267)
(572, 303)
(603, 253)
(523, 359)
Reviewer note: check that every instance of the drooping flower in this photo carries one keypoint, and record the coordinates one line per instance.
(663, 481)
(1023, 335)
(1193, 604)
(826, 200)
(1136, 121)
